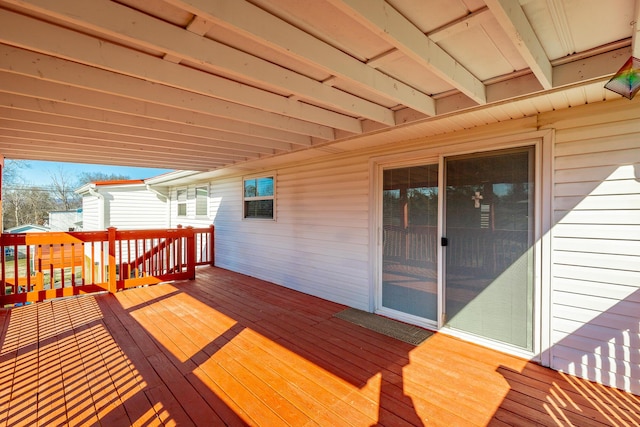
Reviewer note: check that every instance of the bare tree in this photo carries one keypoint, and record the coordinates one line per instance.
(87, 177)
(12, 199)
(29, 204)
(26, 205)
(11, 171)
(63, 185)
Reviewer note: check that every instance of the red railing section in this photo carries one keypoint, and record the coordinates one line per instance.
(40, 266)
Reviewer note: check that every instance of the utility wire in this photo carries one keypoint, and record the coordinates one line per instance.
(28, 188)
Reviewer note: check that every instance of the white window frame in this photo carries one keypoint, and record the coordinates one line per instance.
(204, 187)
(246, 199)
(182, 202)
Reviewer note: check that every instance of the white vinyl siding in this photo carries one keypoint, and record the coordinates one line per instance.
(190, 201)
(92, 212)
(318, 245)
(596, 248)
(136, 209)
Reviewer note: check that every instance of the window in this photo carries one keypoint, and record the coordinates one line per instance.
(202, 194)
(259, 197)
(182, 202)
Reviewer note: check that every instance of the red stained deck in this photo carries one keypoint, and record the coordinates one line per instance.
(227, 349)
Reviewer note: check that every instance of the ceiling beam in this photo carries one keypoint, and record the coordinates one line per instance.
(22, 146)
(21, 119)
(560, 21)
(387, 23)
(514, 22)
(242, 16)
(46, 111)
(44, 67)
(478, 17)
(635, 39)
(125, 24)
(100, 141)
(60, 42)
(580, 71)
(28, 93)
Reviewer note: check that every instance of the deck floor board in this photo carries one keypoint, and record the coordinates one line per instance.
(227, 349)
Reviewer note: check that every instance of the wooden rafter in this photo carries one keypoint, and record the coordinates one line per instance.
(57, 41)
(389, 24)
(208, 84)
(132, 27)
(512, 19)
(187, 125)
(635, 38)
(57, 70)
(240, 15)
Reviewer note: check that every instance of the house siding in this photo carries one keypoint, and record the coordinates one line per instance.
(191, 219)
(320, 240)
(135, 209)
(318, 243)
(65, 221)
(91, 213)
(596, 246)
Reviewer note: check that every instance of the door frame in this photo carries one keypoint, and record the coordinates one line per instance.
(436, 153)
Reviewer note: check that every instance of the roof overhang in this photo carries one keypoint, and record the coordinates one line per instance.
(209, 85)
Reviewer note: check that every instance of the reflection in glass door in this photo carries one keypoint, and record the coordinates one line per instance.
(410, 219)
(489, 212)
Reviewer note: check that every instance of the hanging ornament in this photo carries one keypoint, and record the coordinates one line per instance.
(626, 81)
(477, 199)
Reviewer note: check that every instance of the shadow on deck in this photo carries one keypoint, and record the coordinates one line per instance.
(227, 349)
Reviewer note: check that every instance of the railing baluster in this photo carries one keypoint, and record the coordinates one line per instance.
(112, 259)
(73, 264)
(129, 259)
(62, 264)
(3, 291)
(93, 262)
(167, 251)
(83, 271)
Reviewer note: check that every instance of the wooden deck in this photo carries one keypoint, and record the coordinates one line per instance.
(226, 349)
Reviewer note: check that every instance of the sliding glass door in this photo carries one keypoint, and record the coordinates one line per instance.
(409, 259)
(489, 227)
(481, 282)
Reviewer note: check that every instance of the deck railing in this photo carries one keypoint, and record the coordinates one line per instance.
(40, 266)
(491, 251)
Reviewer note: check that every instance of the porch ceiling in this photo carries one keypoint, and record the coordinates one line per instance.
(207, 84)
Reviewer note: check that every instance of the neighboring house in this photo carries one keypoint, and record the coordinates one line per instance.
(124, 204)
(27, 228)
(65, 220)
(190, 202)
(134, 204)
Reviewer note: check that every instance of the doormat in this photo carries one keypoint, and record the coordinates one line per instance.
(391, 328)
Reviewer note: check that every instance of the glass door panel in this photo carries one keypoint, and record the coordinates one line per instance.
(489, 212)
(410, 220)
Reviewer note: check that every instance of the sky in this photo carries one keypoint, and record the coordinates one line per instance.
(39, 173)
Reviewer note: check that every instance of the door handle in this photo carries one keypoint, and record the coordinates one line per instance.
(444, 241)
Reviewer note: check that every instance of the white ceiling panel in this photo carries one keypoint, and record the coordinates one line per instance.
(213, 84)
